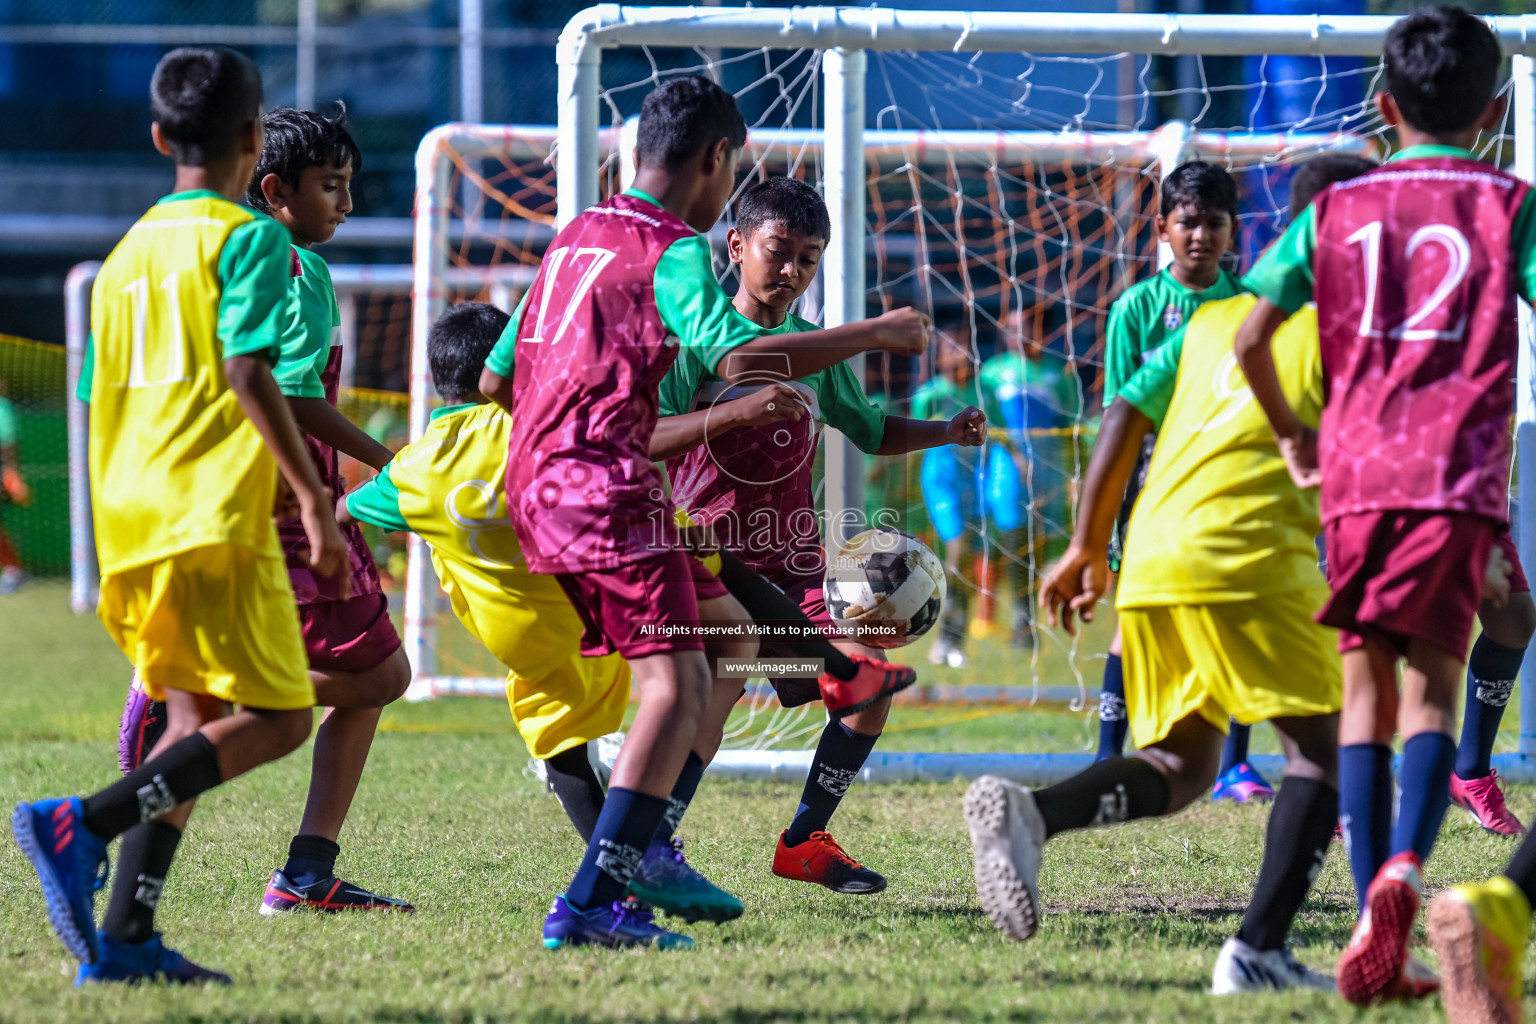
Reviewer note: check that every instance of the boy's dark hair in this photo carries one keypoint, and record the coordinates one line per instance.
(1442, 68)
(459, 344)
(1200, 185)
(297, 139)
(786, 201)
(1320, 172)
(684, 115)
(203, 97)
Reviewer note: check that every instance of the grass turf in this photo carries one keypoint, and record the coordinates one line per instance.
(448, 817)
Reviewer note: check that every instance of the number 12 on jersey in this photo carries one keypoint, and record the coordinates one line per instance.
(1460, 259)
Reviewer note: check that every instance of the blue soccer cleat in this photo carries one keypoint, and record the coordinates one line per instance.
(71, 864)
(616, 925)
(146, 961)
(1242, 783)
(666, 881)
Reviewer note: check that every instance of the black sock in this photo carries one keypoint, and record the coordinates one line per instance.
(143, 858)
(1235, 751)
(624, 829)
(570, 777)
(1113, 721)
(1491, 672)
(1522, 868)
(311, 859)
(1295, 842)
(766, 603)
(682, 796)
(1105, 793)
(189, 767)
(840, 755)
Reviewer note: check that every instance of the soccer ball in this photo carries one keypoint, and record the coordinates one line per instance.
(885, 588)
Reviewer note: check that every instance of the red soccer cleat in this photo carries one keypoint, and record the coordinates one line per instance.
(820, 860)
(875, 679)
(1483, 798)
(1375, 964)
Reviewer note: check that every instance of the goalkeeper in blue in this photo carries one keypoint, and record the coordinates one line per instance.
(1215, 599)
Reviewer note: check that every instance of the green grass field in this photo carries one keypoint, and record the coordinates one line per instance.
(449, 817)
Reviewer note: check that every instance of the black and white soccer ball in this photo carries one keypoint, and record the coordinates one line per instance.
(885, 588)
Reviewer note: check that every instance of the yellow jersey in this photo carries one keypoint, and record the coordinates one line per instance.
(174, 463)
(1219, 518)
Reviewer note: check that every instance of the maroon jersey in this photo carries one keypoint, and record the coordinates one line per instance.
(591, 349)
(1415, 283)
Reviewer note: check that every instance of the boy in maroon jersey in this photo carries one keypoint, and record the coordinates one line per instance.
(753, 486)
(1415, 268)
(622, 287)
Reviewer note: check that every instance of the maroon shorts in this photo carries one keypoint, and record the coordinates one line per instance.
(1518, 584)
(618, 606)
(1407, 575)
(806, 592)
(354, 635)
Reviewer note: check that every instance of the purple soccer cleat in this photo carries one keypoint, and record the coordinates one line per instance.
(143, 723)
(147, 961)
(615, 925)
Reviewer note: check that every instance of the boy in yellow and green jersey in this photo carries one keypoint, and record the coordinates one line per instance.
(1215, 601)
(1197, 219)
(186, 319)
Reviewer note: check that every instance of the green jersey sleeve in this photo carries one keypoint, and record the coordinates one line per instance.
(1283, 274)
(500, 361)
(377, 502)
(1524, 245)
(1122, 348)
(1150, 389)
(87, 370)
(306, 343)
(7, 424)
(682, 383)
(694, 307)
(255, 289)
(845, 406)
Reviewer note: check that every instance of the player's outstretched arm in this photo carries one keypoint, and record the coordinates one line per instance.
(1076, 583)
(325, 423)
(903, 434)
(802, 353)
(675, 435)
(1296, 440)
(250, 378)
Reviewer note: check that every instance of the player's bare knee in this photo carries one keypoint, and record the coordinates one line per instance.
(394, 677)
(1512, 625)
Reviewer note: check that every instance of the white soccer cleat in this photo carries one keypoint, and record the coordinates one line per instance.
(1241, 968)
(1007, 834)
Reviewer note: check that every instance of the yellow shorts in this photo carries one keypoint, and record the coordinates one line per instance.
(1249, 660)
(218, 620)
(558, 698)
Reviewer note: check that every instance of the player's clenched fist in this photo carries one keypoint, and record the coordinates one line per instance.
(968, 428)
(1074, 586)
(904, 331)
(773, 403)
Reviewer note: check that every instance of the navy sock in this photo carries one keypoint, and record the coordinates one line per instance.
(624, 829)
(682, 796)
(840, 754)
(1235, 751)
(1365, 809)
(1425, 783)
(311, 859)
(1112, 716)
(1491, 673)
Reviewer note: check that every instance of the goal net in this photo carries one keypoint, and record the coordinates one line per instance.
(1011, 195)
